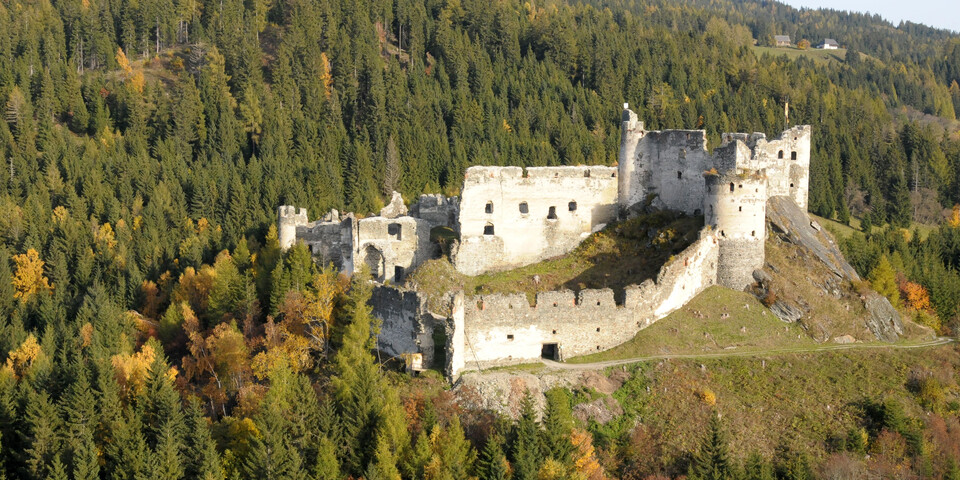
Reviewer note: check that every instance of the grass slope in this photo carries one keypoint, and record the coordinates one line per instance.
(718, 319)
(793, 53)
(622, 254)
(809, 398)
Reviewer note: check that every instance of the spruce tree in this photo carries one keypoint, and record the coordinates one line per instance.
(558, 424)
(493, 463)
(201, 460)
(712, 462)
(271, 455)
(525, 448)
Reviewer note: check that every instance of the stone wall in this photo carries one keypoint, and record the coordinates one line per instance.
(505, 329)
(405, 324)
(393, 247)
(785, 161)
(666, 166)
(438, 210)
(511, 217)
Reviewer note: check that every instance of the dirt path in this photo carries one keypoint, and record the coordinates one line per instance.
(753, 353)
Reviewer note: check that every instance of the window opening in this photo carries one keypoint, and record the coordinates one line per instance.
(395, 230)
(552, 214)
(397, 274)
(731, 186)
(524, 208)
(488, 229)
(793, 155)
(510, 337)
(488, 208)
(679, 175)
(780, 154)
(572, 206)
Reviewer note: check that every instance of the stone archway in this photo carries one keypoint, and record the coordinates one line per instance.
(374, 260)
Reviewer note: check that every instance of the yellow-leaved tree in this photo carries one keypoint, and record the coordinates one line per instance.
(21, 359)
(28, 279)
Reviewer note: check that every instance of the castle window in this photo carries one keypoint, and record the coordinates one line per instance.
(524, 208)
(586, 173)
(740, 186)
(395, 230)
(397, 274)
(510, 337)
(753, 233)
(598, 329)
(488, 208)
(732, 186)
(554, 332)
(780, 154)
(552, 214)
(488, 229)
(679, 175)
(722, 234)
(572, 206)
(741, 208)
(614, 174)
(793, 155)
(791, 185)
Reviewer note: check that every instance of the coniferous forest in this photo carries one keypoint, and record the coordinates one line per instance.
(150, 326)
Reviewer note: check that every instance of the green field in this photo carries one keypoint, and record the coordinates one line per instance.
(812, 53)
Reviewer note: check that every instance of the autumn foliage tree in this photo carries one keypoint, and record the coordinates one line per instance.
(28, 278)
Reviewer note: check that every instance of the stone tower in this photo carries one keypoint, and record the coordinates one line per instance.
(631, 131)
(735, 207)
(289, 218)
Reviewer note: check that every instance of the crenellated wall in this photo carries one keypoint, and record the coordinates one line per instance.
(510, 216)
(504, 329)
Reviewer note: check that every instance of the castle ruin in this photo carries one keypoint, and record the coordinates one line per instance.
(508, 217)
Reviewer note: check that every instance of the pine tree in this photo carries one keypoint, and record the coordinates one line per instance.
(526, 449)
(201, 460)
(493, 463)
(757, 468)
(79, 407)
(327, 467)
(271, 455)
(558, 424)
(712, 462)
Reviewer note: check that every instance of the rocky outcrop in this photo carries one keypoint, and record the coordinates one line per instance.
(793, 224)
(883, 320)
(816, 249)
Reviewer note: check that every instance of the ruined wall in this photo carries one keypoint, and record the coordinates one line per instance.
(665, 166)
(785, 160)
(506, 329)
(438, 210)
(405, 324)
(288, 219)
(392, 247)
(330, 242)
(511, 217)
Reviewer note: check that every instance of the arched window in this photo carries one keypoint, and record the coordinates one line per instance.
(780, 154)
(732, 186)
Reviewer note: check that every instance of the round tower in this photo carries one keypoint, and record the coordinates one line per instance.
(735, 206)
(288, 219)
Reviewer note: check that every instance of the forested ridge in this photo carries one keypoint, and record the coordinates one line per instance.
(151, 327)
